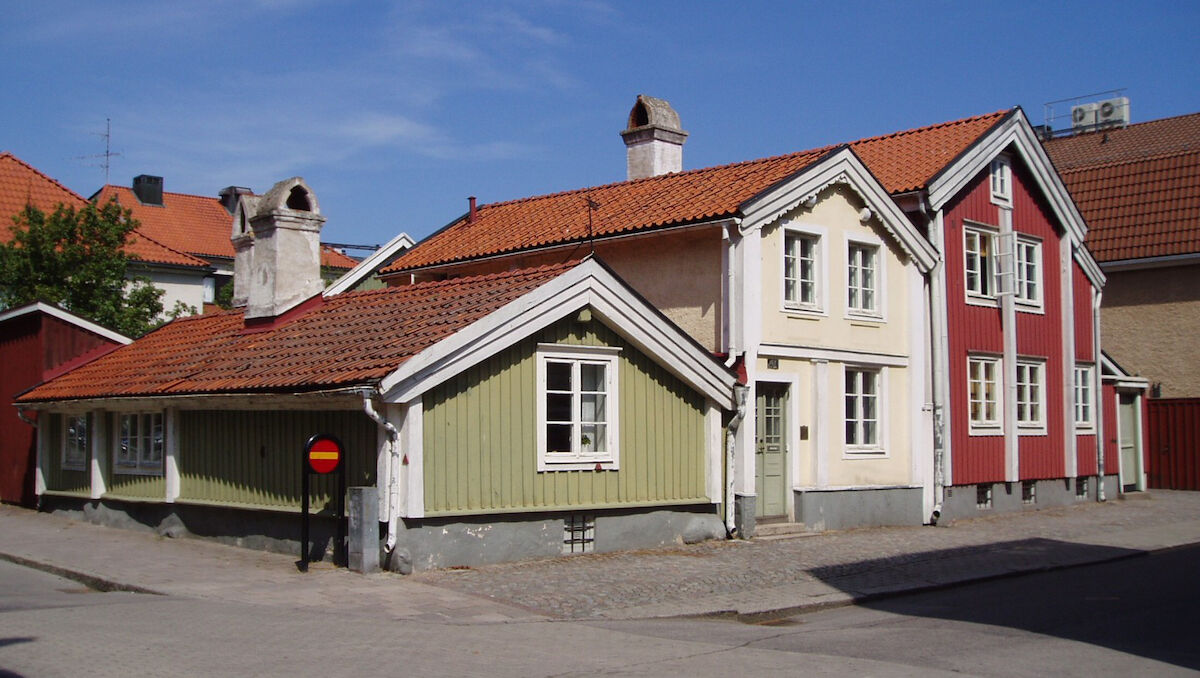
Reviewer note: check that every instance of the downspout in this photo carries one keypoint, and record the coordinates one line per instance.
(22, 417)
(393, 488)
(1099, 386)
(739, 396)
(938, 334)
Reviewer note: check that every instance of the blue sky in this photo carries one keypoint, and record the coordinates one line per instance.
(395, 112)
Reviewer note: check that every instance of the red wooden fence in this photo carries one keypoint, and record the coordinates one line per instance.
(1173, 425)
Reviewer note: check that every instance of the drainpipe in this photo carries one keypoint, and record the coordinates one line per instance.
(22, 417)
(739, 395)
(938, 335)
(1099, 385)
(393, 488)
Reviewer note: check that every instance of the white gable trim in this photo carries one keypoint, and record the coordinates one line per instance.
(66, 317)
(840, 167)
(587, 285)
(1016, 132)
(369, 265)
(1089, 266)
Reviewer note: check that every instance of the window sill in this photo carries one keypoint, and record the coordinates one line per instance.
(550, 466)
(1027, 307)
(157, 472)
(1089, 430)
(804, 313)
(1032, 430)
(868, 319)
(985, 431)
(980, 300)
(864, 453)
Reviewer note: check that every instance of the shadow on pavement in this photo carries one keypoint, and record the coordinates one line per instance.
(1147, 606)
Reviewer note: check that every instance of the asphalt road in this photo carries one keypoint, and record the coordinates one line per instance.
(1134, 617)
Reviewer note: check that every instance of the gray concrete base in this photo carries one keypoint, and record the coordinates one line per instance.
(262, 530)
(475, 540)
(960, 501)
(743, 515)
(821, 510)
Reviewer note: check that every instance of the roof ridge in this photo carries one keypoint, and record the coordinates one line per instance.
(741, 163)
(927, 128)
(40, 173)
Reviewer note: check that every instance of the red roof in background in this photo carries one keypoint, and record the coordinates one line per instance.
(903, 161)
(1138, 187)
(352, 338)
(194, 224)
(22, 184)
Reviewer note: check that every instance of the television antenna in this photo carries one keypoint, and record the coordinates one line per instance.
(108, 153)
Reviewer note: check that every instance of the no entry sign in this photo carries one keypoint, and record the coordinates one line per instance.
(324, 453)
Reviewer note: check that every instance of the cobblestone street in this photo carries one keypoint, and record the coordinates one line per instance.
(634, 583)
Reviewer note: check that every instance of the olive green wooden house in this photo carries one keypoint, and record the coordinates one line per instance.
(505, 416)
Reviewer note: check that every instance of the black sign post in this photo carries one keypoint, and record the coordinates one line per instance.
(323, 455)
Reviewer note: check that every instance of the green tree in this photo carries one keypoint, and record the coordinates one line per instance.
(75, 258)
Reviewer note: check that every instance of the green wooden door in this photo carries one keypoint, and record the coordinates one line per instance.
(1127, 424)
(770, 453)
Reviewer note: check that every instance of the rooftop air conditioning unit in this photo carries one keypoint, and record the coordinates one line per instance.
(1084, 116)
(1113, 112)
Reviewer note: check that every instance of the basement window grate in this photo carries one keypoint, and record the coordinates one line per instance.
(1081, 488)
(983, 496)
(579, 533)
(1029, 492)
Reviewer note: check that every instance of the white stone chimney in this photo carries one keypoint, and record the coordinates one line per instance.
(282, 247)
(653, 139)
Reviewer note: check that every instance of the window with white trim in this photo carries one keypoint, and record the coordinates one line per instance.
(983, 392)
(800, 262)
(862, 410)
(75, 442)
(577, 407)
(862, 279)
(1031, 394)
(1029, 272)
(140, 443)
(1001, 181)
(1084, 405)
(979, 262)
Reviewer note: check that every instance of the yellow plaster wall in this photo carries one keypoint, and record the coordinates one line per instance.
(892, 468)
(677, 271)
(837, 213)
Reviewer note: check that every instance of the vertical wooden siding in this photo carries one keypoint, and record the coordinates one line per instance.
(1082, 288)
(20, 369)
(1040, 335)
(972, 329)
(1173, 454)
(480, 436)
(254, 458)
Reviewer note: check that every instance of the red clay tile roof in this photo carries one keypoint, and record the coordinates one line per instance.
(351, 339)
(195, 224)
(22, 184)
(1138, 187)
(903, 161)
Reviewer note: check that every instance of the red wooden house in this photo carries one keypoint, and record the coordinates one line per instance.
(37, 343)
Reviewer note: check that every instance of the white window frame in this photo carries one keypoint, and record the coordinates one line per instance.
(983, 425)
(857, 396)
(984, 291)
(819, 237)
(795, 284)
(1085, 401)
(69, 443)
(579, 459)
(1000, 181)
(857, 310)
(1031, 396)
(1029, 253)
(141, 461)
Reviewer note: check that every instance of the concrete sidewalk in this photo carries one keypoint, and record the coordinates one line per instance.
(755, 580)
